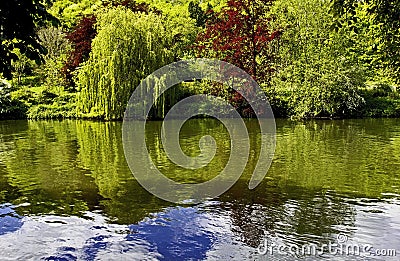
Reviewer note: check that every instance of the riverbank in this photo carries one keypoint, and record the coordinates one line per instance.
(37, 103)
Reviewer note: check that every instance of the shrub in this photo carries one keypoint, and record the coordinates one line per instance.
(10, 108)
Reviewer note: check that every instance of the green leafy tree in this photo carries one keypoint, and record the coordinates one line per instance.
(197, 13)
(70, 12)
(378, 23)
(18, 21)
(319, 74)
(21, 66)
(178, 22)
(57, 47)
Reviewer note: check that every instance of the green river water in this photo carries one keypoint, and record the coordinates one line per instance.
(66, 193)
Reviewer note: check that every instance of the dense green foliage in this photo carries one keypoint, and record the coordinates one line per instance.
(69, 12)
(197, 13)
(379, 22)
(9, 108)
(313, 58)
(18, 20)
(316, 61)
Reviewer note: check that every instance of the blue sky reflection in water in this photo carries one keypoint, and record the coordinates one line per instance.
(9, 220)
(177, 233)
(66, 193)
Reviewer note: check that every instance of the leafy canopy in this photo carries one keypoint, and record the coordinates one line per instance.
(318, 74)
(240, 34)
(18, 21)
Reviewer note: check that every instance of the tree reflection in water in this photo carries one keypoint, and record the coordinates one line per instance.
(321, 172)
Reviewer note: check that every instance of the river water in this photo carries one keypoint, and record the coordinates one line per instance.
(332, 192)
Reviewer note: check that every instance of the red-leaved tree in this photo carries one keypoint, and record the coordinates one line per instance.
(240, 34)
(81, 38)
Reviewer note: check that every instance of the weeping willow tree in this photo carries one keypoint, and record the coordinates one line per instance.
(128, 47)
